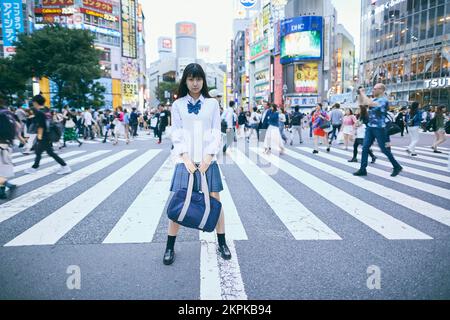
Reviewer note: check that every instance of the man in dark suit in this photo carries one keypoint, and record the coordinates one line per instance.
(264, 123)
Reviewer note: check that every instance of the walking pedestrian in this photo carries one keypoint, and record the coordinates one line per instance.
(296, 122)
(319, 118)
(43, 121)
(273, 139)
(361, 125)
(336, 117)
(415, 114)
(348, 128)
(376, 128)
(439, 127)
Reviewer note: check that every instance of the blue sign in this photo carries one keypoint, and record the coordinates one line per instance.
(301, 39)
(248, 3)
(12, 18)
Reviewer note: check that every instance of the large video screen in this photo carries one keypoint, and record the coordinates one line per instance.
(301, 39)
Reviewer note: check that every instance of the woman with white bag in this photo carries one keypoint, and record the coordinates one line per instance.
(196, 138)
(70, 133)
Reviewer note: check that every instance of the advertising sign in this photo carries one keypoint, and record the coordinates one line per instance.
(102, 15)
(48, 3)
(99, 5)
(301, 39)
(129, 27)
(278, 81)
(248, 4)
(12, 18)
(306, 78)
(259, 48)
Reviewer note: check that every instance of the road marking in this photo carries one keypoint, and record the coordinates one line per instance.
(234, 228)
(46, 160)
(219, 279)
(300, 221)
(139, 223)
(52, 228)
(50, 170)
(422, 207)
(421, 158)
(374, 218)
(426, 174)
(19, 204)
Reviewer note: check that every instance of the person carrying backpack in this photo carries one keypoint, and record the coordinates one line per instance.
(46, 132)
(296, 123)
(9, 130)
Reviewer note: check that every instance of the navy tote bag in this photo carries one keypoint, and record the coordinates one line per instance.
(196, 210)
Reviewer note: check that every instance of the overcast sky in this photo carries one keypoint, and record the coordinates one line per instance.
(214, 22)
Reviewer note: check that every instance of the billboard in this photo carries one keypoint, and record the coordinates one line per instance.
(301, 39)
(13, 24)
(306, 78)
(47, 3)
(129, 28)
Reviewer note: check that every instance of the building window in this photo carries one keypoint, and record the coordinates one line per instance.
(423, 26)
(440, 20)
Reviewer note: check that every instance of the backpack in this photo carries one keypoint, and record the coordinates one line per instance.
(223, 126)
(7, 127)
(54, 128)
(447, 127)
(242, 119)
(296, 119)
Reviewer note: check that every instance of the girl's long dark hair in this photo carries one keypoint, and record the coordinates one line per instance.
(363, 114)
(196, 71)
(413, 109)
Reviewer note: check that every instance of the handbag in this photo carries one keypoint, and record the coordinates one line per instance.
(70, 124)
(325, 124)
(391, 127)
(196, 210)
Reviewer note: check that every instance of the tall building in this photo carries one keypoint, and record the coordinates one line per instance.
(307, 45)
(405, 44)
(118, 27)
(170, 65)
(345, 61)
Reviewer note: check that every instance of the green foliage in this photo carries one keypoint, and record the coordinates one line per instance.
(12, 83)
(65, 56)
(172, 87)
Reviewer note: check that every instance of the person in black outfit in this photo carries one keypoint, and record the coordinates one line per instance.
(134, 122)
(43, 119)
(400, 120)
(162, 122)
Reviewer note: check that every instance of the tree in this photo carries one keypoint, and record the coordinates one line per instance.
(65, 56)
(12, 83)
(171, 87)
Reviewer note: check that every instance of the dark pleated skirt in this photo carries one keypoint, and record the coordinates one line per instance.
(180, 178)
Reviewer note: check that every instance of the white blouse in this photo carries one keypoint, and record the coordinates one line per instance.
(196, 134)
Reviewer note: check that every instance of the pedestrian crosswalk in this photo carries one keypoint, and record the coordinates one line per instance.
(422, 191)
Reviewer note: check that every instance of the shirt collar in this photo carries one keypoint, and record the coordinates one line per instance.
(193, 101)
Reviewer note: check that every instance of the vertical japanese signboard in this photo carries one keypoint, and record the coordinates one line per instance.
(129, 28)
(12, 18)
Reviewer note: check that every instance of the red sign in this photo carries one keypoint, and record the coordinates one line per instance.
(167, 44)
(186, 29)
(99, 5)
(278, 81)
(58, 2)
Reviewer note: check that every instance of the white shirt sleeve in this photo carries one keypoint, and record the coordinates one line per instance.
(179, 144)
(215, 144)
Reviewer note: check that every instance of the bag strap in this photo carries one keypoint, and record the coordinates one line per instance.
(205, 191)
(187, 201)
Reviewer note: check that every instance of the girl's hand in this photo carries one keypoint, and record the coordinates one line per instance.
(205, 164)
(190, 166)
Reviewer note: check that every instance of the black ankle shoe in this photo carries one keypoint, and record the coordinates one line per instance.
(360, 173)
(11, 186)
(225, 252)
(353, 160)
(315, 152)
(169, 257)
(374, 159)
(2, 193)
(396, 171)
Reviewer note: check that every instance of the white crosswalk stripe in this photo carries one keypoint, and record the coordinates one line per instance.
(45, 161)
(299, 220)
(386, 163)
(17, 205)
(426, 187)
(45, 172)
(429, 150)
(423, 151)
(427, 209)
(55, 226)
(139, 222)
(384, 224)
(401, 154)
